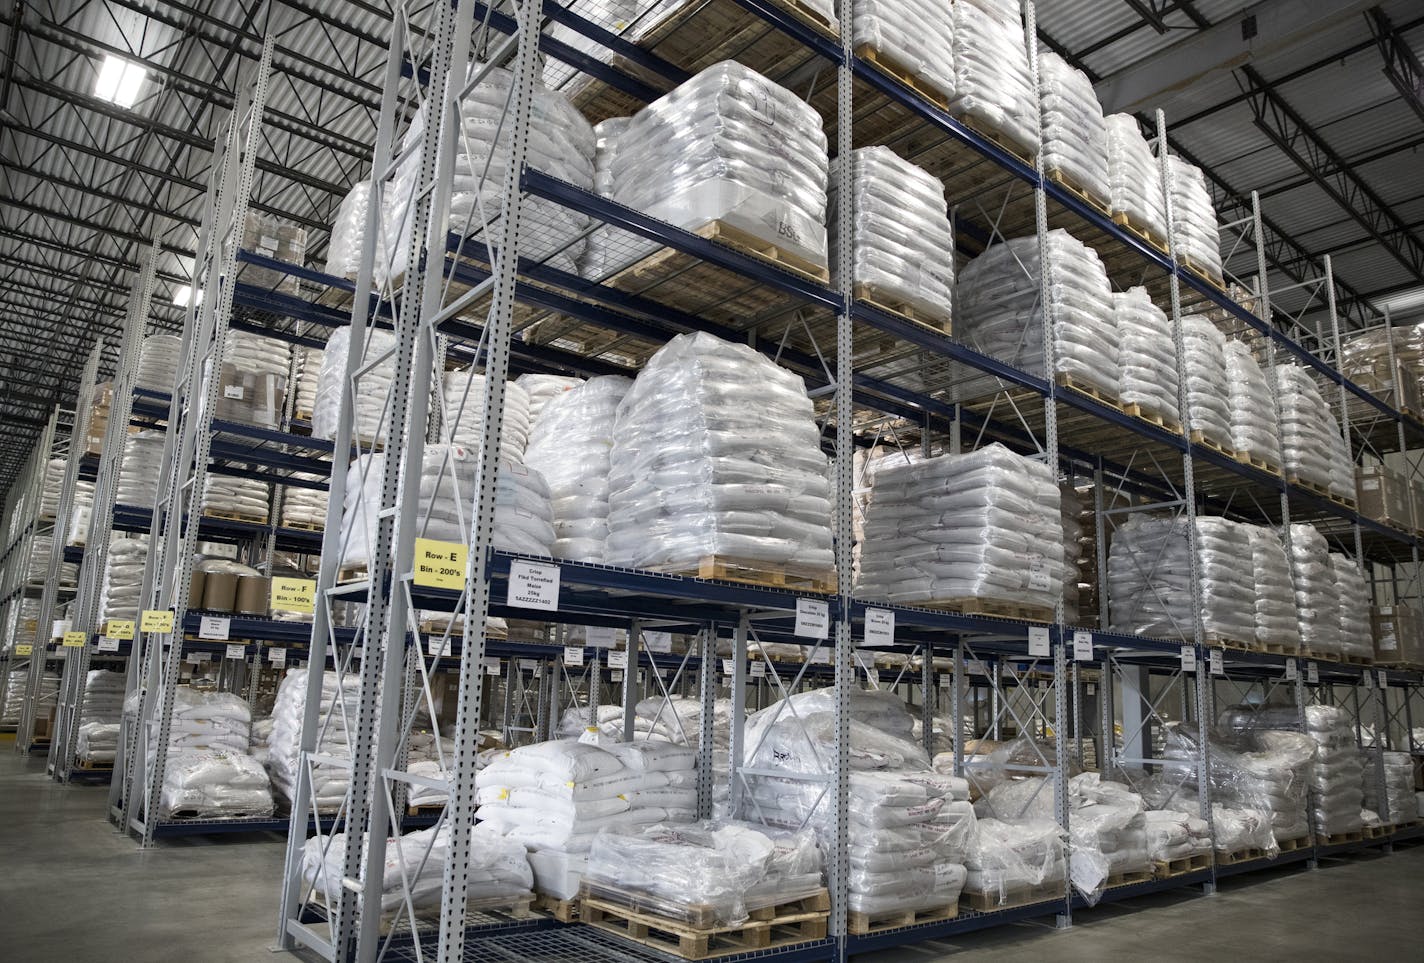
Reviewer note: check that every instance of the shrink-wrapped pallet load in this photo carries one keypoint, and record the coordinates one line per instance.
(308, 377)
(602, 256)
(122, 582)
(1276, 623)
(304, 507)
(78, 531)
(1208, 393)
(1194, 224)
(717, 456)
(37, 567)
(902, 247)
(913, 39)
(1397, 805)
(1354, 594)
(993, 87)
(1147, 356)
(252, 386)
(271, 237)
(543, 388)
(231, 496)
(984, 525)
(732, 148)
(214, 784)
(158, 360)
(371, 415)
(1252, 771)
(464, 413)
(1317, 596)
(999, 311)
(1253, 411)
(348, 230)
(100, 711)
(1311, 444)
(137, 485)
(340, 698)
(571, 447)
(1075, 136)
(1135, 179)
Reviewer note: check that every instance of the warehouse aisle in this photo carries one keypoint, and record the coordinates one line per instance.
(72, 890)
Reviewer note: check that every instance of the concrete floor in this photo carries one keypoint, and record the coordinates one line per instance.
(72, 890)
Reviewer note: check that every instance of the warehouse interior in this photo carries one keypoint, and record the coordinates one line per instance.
(722, 480)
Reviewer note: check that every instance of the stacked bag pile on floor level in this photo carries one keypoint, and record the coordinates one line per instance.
(101, 710)
(1267, 771)
(211, 772)
(15, 692)
(330, 782)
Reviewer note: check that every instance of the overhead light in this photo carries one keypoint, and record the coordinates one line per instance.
(119, 81)
(1404, 302)
(183, 295)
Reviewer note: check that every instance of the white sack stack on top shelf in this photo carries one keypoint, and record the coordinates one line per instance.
(717, 455)
(464, 414)
(122, 582)
(1253, 411)
(1312, 446)
(914, 37)
(902, 246)
(1276, 622)
(983, 525)
(158, 360)
(1075, 136)
(343, 251)
(371, 413)
(1194, 224)
(1355, 638)
(999, 311)
(1147, 355)
(1208, 395)
(543, 388)
(992, 84)
(138, 478)
(1317, 596)
(601, 257)
(78, 531)
(571, 447)
(330, 782)
(1135, 178)
(730, 146)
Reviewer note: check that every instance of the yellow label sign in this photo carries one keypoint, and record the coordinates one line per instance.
(440, 564)
(294, 595)
(156, 620)
(75, 640)
(119, 629)
(22, 650)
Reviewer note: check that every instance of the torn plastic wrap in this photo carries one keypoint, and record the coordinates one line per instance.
(999, 311)
(1007, 858)
(1194, 223)
(1253, 411)
(1335, 796)
(717, 454)
(1147, 355)
(992, 83)
(1354, 611)
(1135, 177)
(371, 413)
(1075, 136)
(1249, 770)
(1276, 622)
(982, 525)
(901, 237)
(1317, 596)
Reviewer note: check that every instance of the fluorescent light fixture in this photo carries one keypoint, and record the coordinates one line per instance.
(119, 81)
(183, 295)
(1404, 302)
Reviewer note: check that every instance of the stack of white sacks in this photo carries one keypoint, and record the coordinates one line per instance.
(308, 376)
(78, 531)
(122, 582)
(304, 507)
(1253, 411)
(143, 462)
(560, 144)
(1000, 311)
(571, 446)
(983, 525)
(1354, 610)
(992, 83)
(1267, 771)
(1398, 787)
(255, 390)
(464, 412)
(343, 251)
(1276, 622)
(601, 258)
(916, 36)
(1317, 595)
(732, 147)
(449, 475)
(910, 828)
(211, 772)
(1135, 177)
(543, 388)
(1175, 828)
(1108, 827)
(49, 491)
(901, 238)
(15, 692)
(371, 415)
(1194, 218)
(1208, 395)
(158, 361)
(330, 782)
(1075, 135)
(1311, 444)
(37, 569)
(716, 453)
(554, 797)
(100, 711)
(1147, 355)
(226, 495)
(1149, 578)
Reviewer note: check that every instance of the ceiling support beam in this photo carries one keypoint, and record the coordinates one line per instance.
(1401, 63)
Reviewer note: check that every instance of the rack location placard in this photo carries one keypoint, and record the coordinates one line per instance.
(294, 595)
(440, 564)
(156, 620)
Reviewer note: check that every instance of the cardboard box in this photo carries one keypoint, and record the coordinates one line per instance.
(251, 398)
(1398, 634)
(1384, 496)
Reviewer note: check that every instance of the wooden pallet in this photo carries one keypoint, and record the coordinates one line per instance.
(700, 942)
(1152, 417)
(992, 607)
(992, 900)
(1167, 868)
(663, 264)
(1065, 181)
(1292, 845)
(1198, 438)
(1150, 237)
(1130, 879)
(1246, 458)
(1378, 832)
(1308, 485)
(1215, 281)
(809, 579)
(986, 129)
(890, 304)
(1337, 839)
(1268, 648)
(235, 517)
(1239, 856)
(892, 67)
(84, 766)
(1082, 387)
(563, 910)
(304, 526)
(862, 924)
(424, 810)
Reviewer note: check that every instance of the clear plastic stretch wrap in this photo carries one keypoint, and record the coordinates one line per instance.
(123, 580)
(1075, 135)
(1311, 443)
(308, 378)
(303, 507)
(1398, 786)
(464, 413)
(415, 862)
(982, 525)
(1006, 858)
(1108, 831)
(571, 447)
(15, 696)
(1204, 365)
(732, 147)
(910, 827)
(138, 478)
(992, 83)
(560, 144)
(1317, 597)
(329, 782)
(558, 795)
(252, 384)
(78, 530)
(348, 230)
(916, 37)
(49, 490)
(1253, 412)
(1335, 795)
(717, 454)
(999, 310)
(37, 568)
(626, 18)
(1146, 354)
(1149, 578)
(1194, 218)
(100, 710)
(730, 867)
(1267, 771)
(601, 258)
(371, 415)
(225, 495)
(901, 235)
(158, 360)
(1276, 622)
(1135, 177)
(542, 389)
(1354, 594)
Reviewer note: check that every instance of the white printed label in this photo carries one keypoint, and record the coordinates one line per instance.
(236, 651)
(1292, 671)
(1369, 484)
(573, 655)
(1189, 658)
(1312, 673)
(215, 628)
(491, 666)
(617, 676)
(533, 585)
(820, 655)
(657, 641)
(108, 645)
(1383, 679)
(600, 636)
(277, 656)
(1369, 680)
(438, 646)
(729, 667)
(758, 669)
(196, 657)
(528, 665)
(233, 391)
(1218, 667)
(1038, 581)
(60, 627)
(813, 619)
(879, 627)
(976, 667)
(1082, 646)
(1091, 689)
(1038, 645)
(618, 659)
